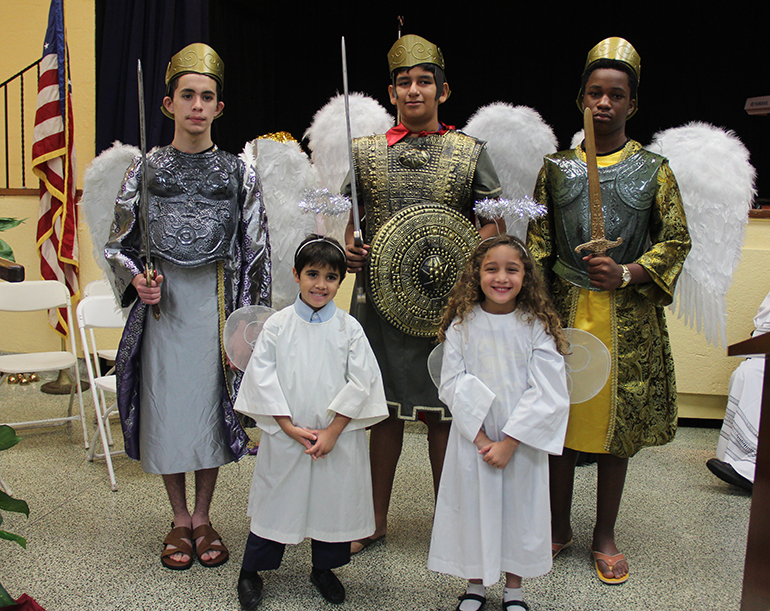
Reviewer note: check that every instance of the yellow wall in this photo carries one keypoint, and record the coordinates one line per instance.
(24, 26)
(702, 369)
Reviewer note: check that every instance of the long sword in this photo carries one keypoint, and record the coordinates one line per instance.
(358, 241)
(149, 268)
(599, 244)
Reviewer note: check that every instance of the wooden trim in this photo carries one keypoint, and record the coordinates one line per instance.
(759, 213)
(29, 192)
(11, 271)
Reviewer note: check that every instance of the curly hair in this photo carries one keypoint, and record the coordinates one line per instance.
(533, 298)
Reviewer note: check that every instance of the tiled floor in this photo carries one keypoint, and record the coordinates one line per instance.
(683, 531)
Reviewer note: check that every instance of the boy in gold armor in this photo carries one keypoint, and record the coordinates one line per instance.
(420, 161)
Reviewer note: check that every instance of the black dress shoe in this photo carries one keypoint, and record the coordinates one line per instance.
(328, 585)
(250, 592)
(726, 473)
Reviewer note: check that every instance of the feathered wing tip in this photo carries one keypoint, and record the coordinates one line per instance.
(577, 139)
(101, 183)
(716, 179)
(517, 140)
(286, 175)
(327, 135)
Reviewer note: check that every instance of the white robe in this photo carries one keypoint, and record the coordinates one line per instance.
(738, 439)
(505, 374)
(312, 372)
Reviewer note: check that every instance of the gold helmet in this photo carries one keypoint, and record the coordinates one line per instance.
(412, 50)
(197, 58)
(618, 49)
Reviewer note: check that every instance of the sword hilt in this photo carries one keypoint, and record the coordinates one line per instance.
(358, 242)
(598, 246)
(150, 273)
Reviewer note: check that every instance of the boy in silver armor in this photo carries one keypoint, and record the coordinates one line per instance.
(207, 234)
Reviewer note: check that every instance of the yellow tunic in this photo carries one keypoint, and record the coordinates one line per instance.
(589, 421)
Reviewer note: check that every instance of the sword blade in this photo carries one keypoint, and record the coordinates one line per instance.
(353, 190)
(599, 244)
(143, 146)
(149, 268)
(594, 187)
(358, 238)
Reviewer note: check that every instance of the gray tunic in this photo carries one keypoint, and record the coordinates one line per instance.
(182, 376)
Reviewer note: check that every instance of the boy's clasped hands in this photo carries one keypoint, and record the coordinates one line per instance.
(318, 442)
(495, 453)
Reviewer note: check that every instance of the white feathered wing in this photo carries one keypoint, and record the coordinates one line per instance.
(285, 173)
(101, 183)
(327, 135)
(716, 179)
(327, 141)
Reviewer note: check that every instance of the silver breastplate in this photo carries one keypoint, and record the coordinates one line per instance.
(628, 192)
(193, 205)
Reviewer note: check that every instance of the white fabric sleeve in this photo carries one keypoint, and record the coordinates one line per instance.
(260, 395)
(467, 397)
(362, 398)
(539, 419)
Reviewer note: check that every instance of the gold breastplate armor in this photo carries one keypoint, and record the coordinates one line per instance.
(432, 169)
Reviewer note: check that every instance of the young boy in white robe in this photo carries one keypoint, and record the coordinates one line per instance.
(503, 377)
(312, 385)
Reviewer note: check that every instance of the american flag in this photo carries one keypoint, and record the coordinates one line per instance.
(53, 161)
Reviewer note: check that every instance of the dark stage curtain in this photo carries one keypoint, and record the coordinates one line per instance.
(150, 30)
(282, 63)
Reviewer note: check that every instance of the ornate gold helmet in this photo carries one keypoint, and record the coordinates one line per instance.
(197, 58)
(620, 50)
(412, 50)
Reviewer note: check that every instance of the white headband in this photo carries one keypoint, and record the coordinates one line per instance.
(316, 240)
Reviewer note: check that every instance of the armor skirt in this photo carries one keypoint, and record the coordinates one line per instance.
(403, 361)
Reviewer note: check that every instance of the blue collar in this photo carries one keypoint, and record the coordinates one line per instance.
(308, 314)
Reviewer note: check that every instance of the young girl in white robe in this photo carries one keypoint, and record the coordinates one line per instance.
(504, 380)
(312, 385)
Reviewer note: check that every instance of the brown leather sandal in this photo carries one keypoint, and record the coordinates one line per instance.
(176, 539)
(209, 536)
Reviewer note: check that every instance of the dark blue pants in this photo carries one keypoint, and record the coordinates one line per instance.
(265, 555)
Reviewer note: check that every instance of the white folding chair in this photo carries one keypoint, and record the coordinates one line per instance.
(102, 287)
(100, 312)
(97, 287)
(29, 296)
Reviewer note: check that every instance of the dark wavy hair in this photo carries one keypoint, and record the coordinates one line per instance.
(533, 299)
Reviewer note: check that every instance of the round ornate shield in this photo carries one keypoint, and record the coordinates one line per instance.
(415, 260)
